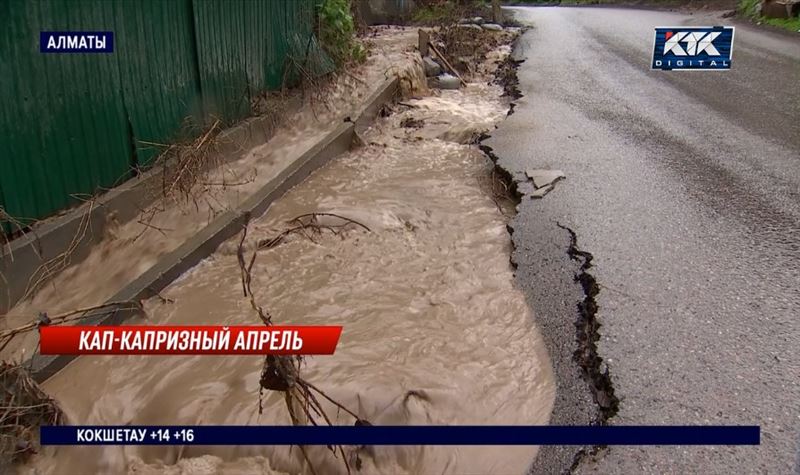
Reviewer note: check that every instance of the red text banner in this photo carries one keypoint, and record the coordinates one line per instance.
(189, 340)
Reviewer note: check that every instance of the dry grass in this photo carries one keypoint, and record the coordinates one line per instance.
(465, 48)
(25, 407)
(49, 268)
(184, 170)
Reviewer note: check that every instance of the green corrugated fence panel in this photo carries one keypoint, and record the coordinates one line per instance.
(62, 120)
(286, 19)
(274, 54)
(69, 122)
(159, 77)
(242, 47)
(219, 29)
(254, 22)
(4, 226)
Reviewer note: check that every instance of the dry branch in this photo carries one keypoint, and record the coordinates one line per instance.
(21, 229)
(184, 170)
(280, 372)
(308, 225)
(447, 63)
(497, 190)
(24, 407)
(67, 317)
(51, 267)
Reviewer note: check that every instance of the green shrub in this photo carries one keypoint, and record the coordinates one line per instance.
(749, 9)
(337, 31)
(792, 24)
(436, 14)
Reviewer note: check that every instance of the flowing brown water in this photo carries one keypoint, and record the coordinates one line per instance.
(434, 330)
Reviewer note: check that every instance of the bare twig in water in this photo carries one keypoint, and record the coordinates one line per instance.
(281, 372)
(308, 84)
(24, 407)
(73, 315)
(185, 169)
(21, 230)
(498, 191)
(246, 275)
(353, 76)
(147, 223)
(314, 216)
(48, 269)
(308, 225)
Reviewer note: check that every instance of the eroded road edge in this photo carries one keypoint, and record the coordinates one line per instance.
(553, 272)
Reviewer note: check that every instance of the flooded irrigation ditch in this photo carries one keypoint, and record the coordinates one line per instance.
(435, 331)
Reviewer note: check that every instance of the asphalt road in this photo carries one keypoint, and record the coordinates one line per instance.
(685, 189)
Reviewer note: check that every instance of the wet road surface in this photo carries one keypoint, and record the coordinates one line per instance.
(685, 188)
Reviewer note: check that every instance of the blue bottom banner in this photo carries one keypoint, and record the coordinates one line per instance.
(400, 435)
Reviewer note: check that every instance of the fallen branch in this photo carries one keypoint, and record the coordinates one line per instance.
(246, 275)
(25, 407)
(190, 161)
(281, 372)
(73, 315)
(22, 229)
(447, 63)
(184, 171)
(51, 267)
(313, 216)
(308, 222)
(497, 190)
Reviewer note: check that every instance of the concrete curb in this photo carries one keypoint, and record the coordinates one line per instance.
(225, 226)
(372, 106)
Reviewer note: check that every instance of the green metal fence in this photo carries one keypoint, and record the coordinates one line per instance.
(74, 124)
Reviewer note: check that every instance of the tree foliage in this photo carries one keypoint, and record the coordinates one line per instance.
(337, 31)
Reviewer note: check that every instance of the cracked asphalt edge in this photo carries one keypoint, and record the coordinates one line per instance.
(561, 292)
(595, 372)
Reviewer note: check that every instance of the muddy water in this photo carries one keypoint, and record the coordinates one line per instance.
(434, 330)
(129, 249)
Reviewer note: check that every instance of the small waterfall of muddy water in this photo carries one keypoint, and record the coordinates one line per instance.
(434, 330)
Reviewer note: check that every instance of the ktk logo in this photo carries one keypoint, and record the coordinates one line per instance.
(696, 43)
(700, 48)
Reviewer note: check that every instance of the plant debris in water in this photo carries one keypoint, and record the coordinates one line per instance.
(466, 49)
(25, 407)
(412, 123)
(281, 373)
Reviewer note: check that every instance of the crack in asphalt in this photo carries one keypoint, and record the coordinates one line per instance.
(587, 335)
